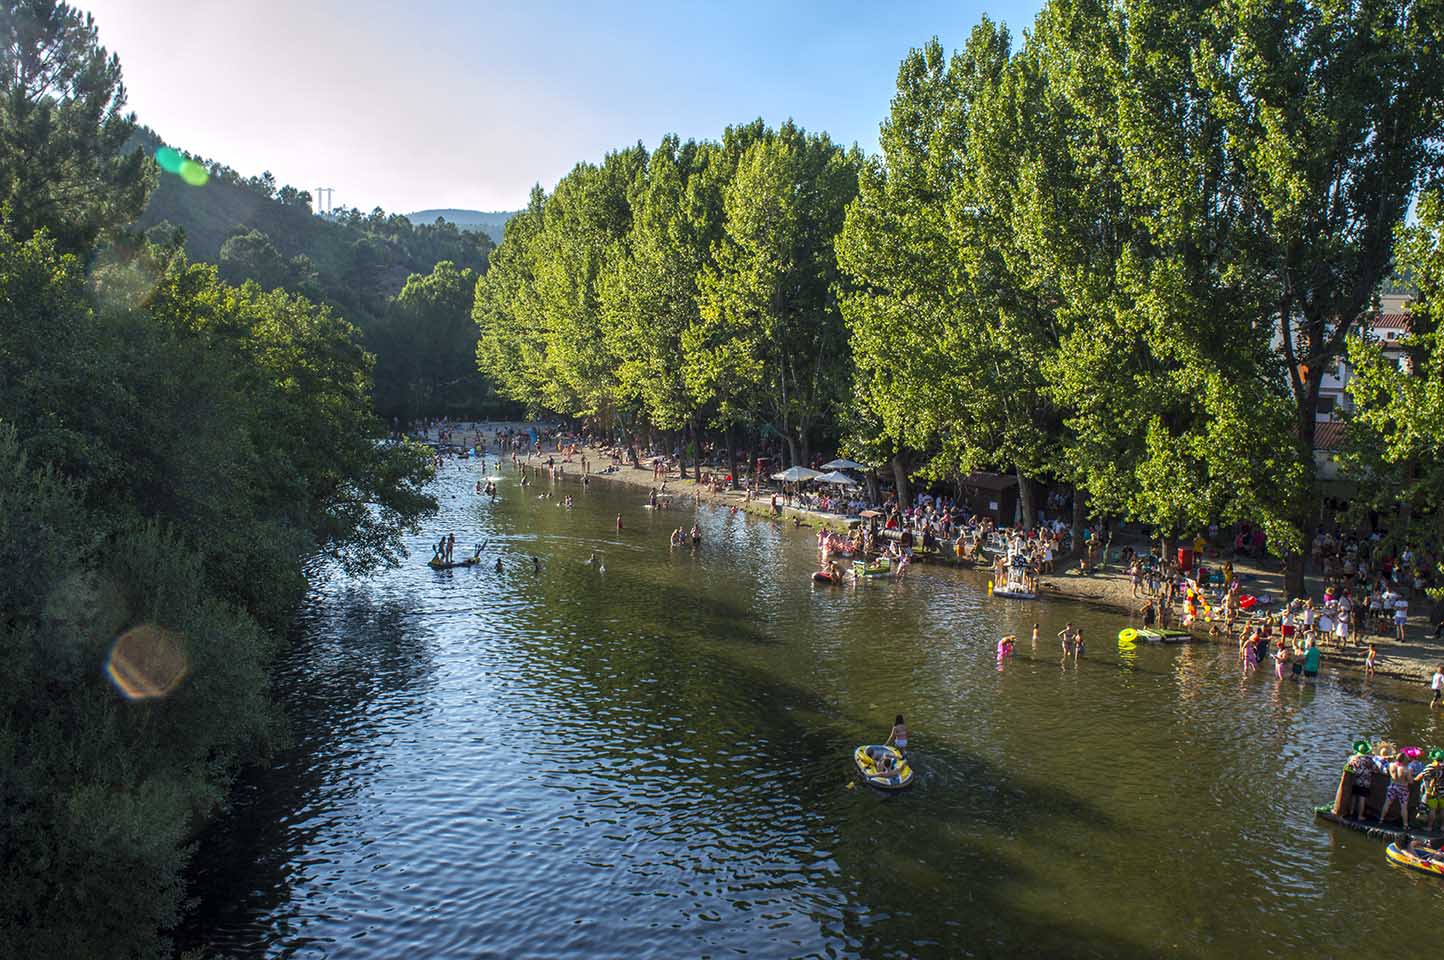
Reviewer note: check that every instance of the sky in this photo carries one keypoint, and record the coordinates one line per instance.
(467, 103)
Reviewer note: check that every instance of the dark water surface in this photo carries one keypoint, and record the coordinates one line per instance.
(655, 761)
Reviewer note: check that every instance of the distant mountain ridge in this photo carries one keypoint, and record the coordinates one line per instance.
(491, 223)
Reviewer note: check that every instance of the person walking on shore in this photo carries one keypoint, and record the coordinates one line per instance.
(1437, 683)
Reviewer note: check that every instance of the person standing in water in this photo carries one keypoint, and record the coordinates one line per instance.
(898, 736)
(619, 523)
(1077, 645)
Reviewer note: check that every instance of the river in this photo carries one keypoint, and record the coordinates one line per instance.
(654, 760)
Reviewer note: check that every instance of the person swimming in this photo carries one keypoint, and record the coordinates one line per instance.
(498, 565)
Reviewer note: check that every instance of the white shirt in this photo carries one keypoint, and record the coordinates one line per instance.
(1438, 682)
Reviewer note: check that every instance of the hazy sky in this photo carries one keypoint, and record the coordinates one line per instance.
(410, 104)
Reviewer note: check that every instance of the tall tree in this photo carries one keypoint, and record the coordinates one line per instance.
(1323, 119)
(771, 329)
(1396, 434)
(63, 129)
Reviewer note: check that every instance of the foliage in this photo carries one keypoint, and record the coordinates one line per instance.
(355, 263)
(1396, 449)
(172, 449)
(63, 166)
(692, 284)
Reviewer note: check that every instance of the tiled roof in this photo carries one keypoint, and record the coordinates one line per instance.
(1391, 321)
(1328, 435)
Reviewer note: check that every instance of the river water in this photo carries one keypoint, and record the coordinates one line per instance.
(654, 760)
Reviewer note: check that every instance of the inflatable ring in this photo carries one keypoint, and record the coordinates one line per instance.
(1128, 635)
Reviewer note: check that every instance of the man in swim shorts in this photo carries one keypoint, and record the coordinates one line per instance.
(1399, 780)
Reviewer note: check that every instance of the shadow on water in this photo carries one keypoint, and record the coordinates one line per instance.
(353, 662)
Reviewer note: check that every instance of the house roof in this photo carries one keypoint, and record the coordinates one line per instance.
(1328, 435)
(1391, 321)
(990, 481)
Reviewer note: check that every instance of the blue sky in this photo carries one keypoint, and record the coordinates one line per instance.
(442, 103)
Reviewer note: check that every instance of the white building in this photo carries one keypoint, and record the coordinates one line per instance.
(1390, 324)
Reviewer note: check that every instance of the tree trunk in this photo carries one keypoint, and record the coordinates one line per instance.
(731, 458)
(900, 478)
(792, 450)
(1305, 513)
(873, 494)
(1025, 498)
(1078, 496)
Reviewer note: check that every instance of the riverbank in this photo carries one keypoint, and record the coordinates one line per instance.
(1412, 661)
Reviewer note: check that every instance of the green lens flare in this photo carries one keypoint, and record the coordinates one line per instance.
(193, 173)
(169, 160)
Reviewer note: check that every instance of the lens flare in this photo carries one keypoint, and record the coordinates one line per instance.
(169, 159)
(193, 173)
(147, 662)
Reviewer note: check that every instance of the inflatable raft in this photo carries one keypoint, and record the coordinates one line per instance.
(1406, 859)
(1152, 635)
(866, 759)
(1012, 591)
(882, 568)
(822, 576)
(436, 564)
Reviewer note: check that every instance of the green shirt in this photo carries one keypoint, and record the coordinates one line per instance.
(1311, 660)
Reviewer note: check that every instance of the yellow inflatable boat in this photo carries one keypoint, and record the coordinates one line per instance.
(1404, 858)
(872, 765)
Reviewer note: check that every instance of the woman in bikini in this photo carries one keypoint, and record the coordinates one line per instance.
(898, 737)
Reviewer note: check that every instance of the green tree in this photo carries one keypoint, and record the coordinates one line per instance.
(63, 132)
(426, 346)
(1306, 129)
(1395, 451)
(942, 385)
(771, 330)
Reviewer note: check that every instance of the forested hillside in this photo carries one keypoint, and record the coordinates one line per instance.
(359, 264)
(492, 223)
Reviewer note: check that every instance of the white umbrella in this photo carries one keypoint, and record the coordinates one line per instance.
(795, 475)
(836, 477)
(843, 464)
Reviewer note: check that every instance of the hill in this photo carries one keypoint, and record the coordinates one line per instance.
(491, 223)
(358, 263)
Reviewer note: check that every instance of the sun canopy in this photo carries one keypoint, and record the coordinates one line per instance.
(836, 477)
(795, 475)
(843, 464)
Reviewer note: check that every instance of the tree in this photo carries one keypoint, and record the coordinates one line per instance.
(426, 346)
(63, 165)
(1308, 127)
(771, 327)
(649, 294)
(1395, 445)
(922, 313)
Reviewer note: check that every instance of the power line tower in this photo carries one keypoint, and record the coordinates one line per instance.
(323, 199)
